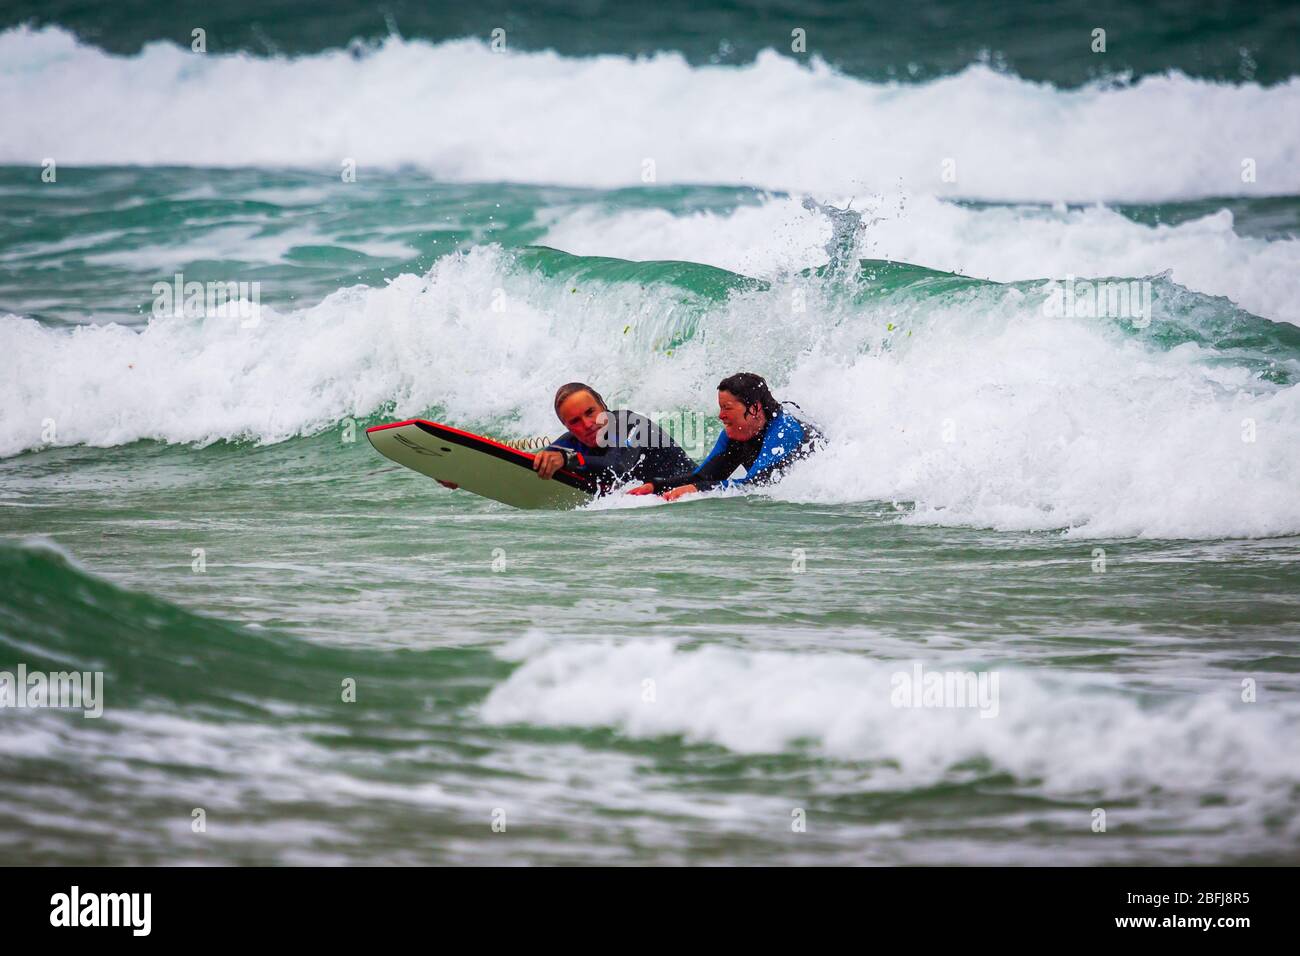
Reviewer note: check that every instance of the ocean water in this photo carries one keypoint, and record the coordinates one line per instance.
(338, 661)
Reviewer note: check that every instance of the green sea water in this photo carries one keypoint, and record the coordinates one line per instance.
(224, 687)
(312, 656)
(228, 591)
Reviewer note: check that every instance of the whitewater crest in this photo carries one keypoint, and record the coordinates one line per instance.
(965, 397)
(1071, 732)
(466, 113)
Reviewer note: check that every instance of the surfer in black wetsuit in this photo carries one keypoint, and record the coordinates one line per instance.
(612, 446)
(758, 435)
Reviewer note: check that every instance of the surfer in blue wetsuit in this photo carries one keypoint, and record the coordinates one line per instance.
(611, 445)
(758, 435)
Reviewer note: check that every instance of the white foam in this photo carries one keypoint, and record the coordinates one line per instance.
(464, 112)
(1074, 734)
(976, 406)
(1005, 244)
(1040, 427)
(416, 342)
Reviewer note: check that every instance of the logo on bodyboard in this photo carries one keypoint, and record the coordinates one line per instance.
(418, 449)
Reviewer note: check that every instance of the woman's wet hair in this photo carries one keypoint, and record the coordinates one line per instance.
(751, 390)
(573, 388)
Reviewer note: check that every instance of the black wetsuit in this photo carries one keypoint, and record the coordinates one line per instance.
(764, 457)
(629, 448)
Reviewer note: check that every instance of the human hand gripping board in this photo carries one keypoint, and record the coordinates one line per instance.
(478, 464)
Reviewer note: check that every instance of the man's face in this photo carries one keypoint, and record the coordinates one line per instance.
(739, 424)
(581, 414)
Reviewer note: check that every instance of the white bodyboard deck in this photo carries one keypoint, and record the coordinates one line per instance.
(477, 464)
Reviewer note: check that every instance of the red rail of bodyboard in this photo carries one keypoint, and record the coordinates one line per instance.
(482, 438)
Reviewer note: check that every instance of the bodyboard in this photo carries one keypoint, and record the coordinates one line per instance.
(479, 465)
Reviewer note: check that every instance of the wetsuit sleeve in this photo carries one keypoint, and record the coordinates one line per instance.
(782, 445)
(565, 441)
(706, 475)
(670, 460)
(616, 461)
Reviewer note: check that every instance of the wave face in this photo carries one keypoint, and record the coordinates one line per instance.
(964, 396)
(251, 725)
(1073, 735)
(463, 112)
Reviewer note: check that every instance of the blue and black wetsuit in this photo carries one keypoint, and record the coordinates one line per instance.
(630, 447)
(764, 457)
